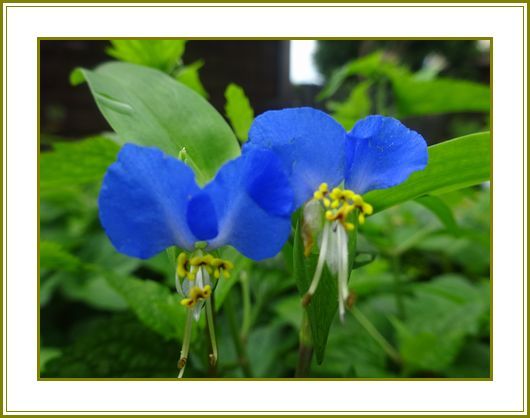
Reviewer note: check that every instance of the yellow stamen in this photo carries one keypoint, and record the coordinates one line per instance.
(195, 295)
(182, 264)
(341, 203)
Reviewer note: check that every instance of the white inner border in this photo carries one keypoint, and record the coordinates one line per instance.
(507, 25)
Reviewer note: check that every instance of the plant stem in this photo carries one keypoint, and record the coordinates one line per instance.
(305, 350)
(376, 335)
(247, 317)
(236, 337)
(396, 266)
(212, 356)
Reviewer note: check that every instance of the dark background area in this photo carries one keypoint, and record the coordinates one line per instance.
(260, 67)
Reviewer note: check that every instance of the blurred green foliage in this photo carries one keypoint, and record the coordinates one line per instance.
(421, 276)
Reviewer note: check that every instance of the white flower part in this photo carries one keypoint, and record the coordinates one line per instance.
(342, 281)
(178, 285)
(313, 216)
(332, 259)
(201, 279)
(321, 259)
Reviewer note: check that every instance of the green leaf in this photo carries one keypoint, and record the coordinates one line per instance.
(372, 66)
(76, 163)
(454, 164)
(162, 54)
(153, 303)
(356, 106)
(189, 76)
(440, 316)
(321, 310)
(148, 107)
(52, 256)
(115, 347)
(442, 211)
(415, 97)
(238, 110)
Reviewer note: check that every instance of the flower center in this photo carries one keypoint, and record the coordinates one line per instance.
(188, 266)
(338, 205)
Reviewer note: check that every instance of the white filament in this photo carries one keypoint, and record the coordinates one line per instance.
(321, 260)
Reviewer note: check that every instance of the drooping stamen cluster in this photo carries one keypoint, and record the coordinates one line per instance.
(196, 289)
(338, 204)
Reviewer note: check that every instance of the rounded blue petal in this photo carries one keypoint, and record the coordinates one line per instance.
(143, 202)
(201, 217)
(253, 201)
(381, 152)
(309, 143)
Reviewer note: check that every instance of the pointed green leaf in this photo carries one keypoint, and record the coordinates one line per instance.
(238, 110)
(162, 54)
(454, 164)
(76, 162)
(147, 107)
(189, 76)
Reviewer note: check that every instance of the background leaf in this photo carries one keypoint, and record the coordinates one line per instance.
(118, 346)
(441, 210)
(148, 107)
(162, 54)
(454, 164)
(238, 110)
(440, 315)
(189, 76)
(153, 303)
(416, 97)
(75, 163)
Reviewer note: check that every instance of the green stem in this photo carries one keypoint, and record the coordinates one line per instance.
(185, 343)
(236, 337)
(247, 315)
(305, 350)
(211, 331)
(376, 335)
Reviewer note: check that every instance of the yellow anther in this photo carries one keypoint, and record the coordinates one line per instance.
(195, 295)
(357, 200)
(330, 216)
(326, 202)
(361, 218)
(336, 194)
(323, 188)
(182, 262)
(318, 195)
(335, 204)
(367, 208)
(221, 266)
(349, 226)
(348, 194)
(187, 302)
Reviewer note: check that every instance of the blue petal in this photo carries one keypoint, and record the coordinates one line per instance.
(143, 201)
(309, 143)
(253, 201)
(201, 217)
(381, 152)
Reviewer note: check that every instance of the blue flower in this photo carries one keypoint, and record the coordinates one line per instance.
(330, 170)
(150, 201)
